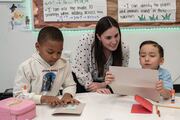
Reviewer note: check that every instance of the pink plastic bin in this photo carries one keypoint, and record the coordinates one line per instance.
(17, 109)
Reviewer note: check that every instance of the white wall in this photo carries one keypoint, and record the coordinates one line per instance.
(169, 39)
(16, 46)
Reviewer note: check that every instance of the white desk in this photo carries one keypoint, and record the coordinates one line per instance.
(106, 107)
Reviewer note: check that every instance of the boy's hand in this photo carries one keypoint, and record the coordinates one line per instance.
(159, 86)
(67, 98)
(166, 94)
(109, 77)
(51, 100)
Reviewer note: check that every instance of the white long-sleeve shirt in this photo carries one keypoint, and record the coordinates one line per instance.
(35, 72)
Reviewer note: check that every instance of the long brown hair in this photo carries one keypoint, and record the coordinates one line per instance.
(104, 24)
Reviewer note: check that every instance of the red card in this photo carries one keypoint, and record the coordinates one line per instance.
(137, 108)
(144, 105)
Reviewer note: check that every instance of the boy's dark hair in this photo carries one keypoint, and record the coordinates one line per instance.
(155, 44)
(102, 25)
(50, 33)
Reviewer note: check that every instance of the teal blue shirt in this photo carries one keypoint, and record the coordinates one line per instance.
(165, 76)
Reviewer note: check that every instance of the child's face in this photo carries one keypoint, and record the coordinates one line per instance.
(50, 50)
(149, 57)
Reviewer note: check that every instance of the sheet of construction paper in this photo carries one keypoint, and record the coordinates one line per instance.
(135, 81)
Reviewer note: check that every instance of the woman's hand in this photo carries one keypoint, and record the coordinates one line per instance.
(96, 85)
(109, 77)
(103, 91)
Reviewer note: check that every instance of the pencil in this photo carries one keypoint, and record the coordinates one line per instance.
(168, 106)
(157, 111)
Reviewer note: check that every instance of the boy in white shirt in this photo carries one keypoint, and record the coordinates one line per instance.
(45, 73)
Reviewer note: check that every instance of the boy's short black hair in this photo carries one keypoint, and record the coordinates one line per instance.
(50, 33)
(155, 44)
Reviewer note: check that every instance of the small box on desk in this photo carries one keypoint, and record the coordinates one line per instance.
(17, 109)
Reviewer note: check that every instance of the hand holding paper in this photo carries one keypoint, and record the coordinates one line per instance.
(133, 81)
(109, 77)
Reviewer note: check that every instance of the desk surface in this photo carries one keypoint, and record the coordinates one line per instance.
(106, 107)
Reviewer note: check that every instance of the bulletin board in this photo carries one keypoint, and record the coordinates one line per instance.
(112, 10)
(39, 18)
(174, 22)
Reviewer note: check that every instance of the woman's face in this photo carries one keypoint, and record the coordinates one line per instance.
(110, 39)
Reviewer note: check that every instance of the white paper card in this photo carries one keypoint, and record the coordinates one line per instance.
(70, 109)
(135, 81)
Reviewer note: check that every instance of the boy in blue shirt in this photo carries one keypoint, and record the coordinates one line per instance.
(151, 56)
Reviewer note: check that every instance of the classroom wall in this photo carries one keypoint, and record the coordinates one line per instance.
(16, 46)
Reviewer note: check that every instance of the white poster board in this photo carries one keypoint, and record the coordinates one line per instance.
(135, 81)
(10, 0)
(74, 10)
(146, 10)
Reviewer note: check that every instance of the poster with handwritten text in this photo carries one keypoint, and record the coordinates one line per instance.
(74, 10)
(146, 10)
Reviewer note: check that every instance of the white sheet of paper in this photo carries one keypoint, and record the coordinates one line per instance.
(135, 81)
(69, 109)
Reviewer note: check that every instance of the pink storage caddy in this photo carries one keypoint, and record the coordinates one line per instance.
(17, 109)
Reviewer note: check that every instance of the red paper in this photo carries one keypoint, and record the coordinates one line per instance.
(144, 105)
(137, 108)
